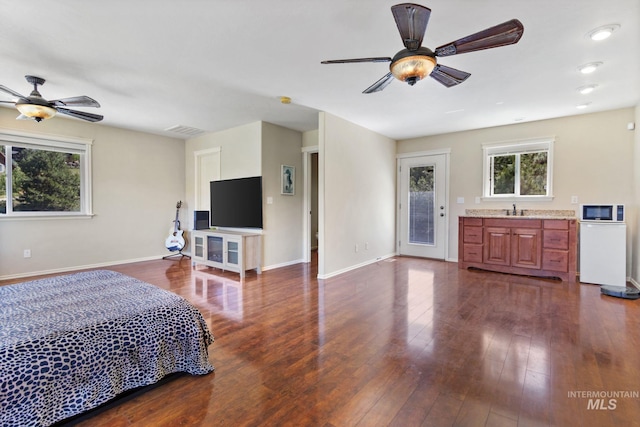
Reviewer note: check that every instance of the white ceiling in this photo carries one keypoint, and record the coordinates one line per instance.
(217, 64)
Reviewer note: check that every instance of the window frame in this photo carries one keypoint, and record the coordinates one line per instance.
(80, 146)
(517, 148)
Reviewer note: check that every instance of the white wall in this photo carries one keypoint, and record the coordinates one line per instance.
(137, 180)
(282, 239)
(593, 159)
(356, 195)
(240, 157)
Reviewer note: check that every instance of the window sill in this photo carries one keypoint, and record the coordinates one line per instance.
(517, 198)
(39, 216)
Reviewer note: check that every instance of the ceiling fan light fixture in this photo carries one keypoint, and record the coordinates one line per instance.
(413, 68)
(35, 111)
(602, 33)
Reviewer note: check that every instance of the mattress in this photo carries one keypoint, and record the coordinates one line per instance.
(72, 342)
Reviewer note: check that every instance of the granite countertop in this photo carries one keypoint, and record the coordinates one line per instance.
(528, 213)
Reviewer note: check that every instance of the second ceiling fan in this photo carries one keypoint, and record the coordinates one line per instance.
(416, 62)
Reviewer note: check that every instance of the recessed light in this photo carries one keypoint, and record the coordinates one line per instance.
(587, 89)
(603, 32)
(589, 68)
(583, 106)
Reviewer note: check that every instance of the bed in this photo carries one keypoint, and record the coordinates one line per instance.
(72, 342)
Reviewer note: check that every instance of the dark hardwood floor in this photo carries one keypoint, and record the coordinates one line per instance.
(403, 342)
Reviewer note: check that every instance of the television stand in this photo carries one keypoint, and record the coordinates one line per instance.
(227, 250)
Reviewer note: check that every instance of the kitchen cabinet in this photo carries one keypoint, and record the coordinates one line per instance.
(539, 247)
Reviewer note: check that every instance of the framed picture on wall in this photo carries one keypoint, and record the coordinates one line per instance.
(288, 180)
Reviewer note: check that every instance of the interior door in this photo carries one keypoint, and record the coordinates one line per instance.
(423, 206)
(207, 169)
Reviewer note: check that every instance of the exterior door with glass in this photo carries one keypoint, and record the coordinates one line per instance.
(422, 206)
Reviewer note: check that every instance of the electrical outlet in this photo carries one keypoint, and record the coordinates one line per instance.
(366, 246)
(574, 200)
(356, 247)
(27, 253)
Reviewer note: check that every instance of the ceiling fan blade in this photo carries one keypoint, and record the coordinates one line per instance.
(347, 61)
(76, 101)
(380, 84)
(12, 92)
(411, 20)
(448, 76)
(500, 35)
(80, 114)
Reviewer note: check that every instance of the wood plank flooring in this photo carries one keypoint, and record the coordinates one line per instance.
(403, 342)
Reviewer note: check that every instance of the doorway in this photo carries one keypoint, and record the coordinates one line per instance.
(422, 205)
(311, 220)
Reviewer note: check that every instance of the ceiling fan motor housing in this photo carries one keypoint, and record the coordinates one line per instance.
(412, 66)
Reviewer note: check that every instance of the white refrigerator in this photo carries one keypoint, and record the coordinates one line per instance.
(603, 253)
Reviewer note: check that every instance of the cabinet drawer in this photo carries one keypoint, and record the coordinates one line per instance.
(512, 222)
(476, 222)
(555, 260)
(472, 234)
(556, 224)
(556, 239)
(472, 253)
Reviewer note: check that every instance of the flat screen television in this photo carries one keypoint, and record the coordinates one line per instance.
(237, 203)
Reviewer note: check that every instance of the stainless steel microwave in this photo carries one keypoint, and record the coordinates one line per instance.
(611, 213)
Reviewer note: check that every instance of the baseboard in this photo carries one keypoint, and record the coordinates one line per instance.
(284, 264)
(353, 267)
(634, 282)
(80, 267)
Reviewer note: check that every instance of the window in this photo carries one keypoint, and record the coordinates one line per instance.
(518, 170)
(44, 176)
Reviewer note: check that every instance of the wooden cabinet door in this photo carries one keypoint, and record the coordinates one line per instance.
(497, 246)
(526, 248)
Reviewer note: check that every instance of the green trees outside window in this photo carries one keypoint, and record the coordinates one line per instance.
(520, 174)
(41, 180)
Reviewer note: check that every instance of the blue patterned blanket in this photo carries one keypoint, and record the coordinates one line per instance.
(71, 343)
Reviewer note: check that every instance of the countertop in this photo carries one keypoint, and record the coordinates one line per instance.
(528, 214)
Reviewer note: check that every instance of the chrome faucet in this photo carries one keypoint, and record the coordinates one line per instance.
(515, 212)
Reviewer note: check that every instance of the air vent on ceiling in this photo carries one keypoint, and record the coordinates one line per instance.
(185, 130)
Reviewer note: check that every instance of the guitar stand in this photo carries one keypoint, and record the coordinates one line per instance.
(177, 254)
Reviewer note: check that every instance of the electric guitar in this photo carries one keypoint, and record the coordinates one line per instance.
(175, 241)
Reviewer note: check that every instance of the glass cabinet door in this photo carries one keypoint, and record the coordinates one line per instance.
(215, 249)
(232, 252)
(198, 246)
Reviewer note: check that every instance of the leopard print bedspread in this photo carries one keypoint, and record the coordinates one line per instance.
(71, 343)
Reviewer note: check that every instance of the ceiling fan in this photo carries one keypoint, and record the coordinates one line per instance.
(37, 108)
(416, 62)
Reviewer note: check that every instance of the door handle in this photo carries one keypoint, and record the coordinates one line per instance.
(441, 213)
